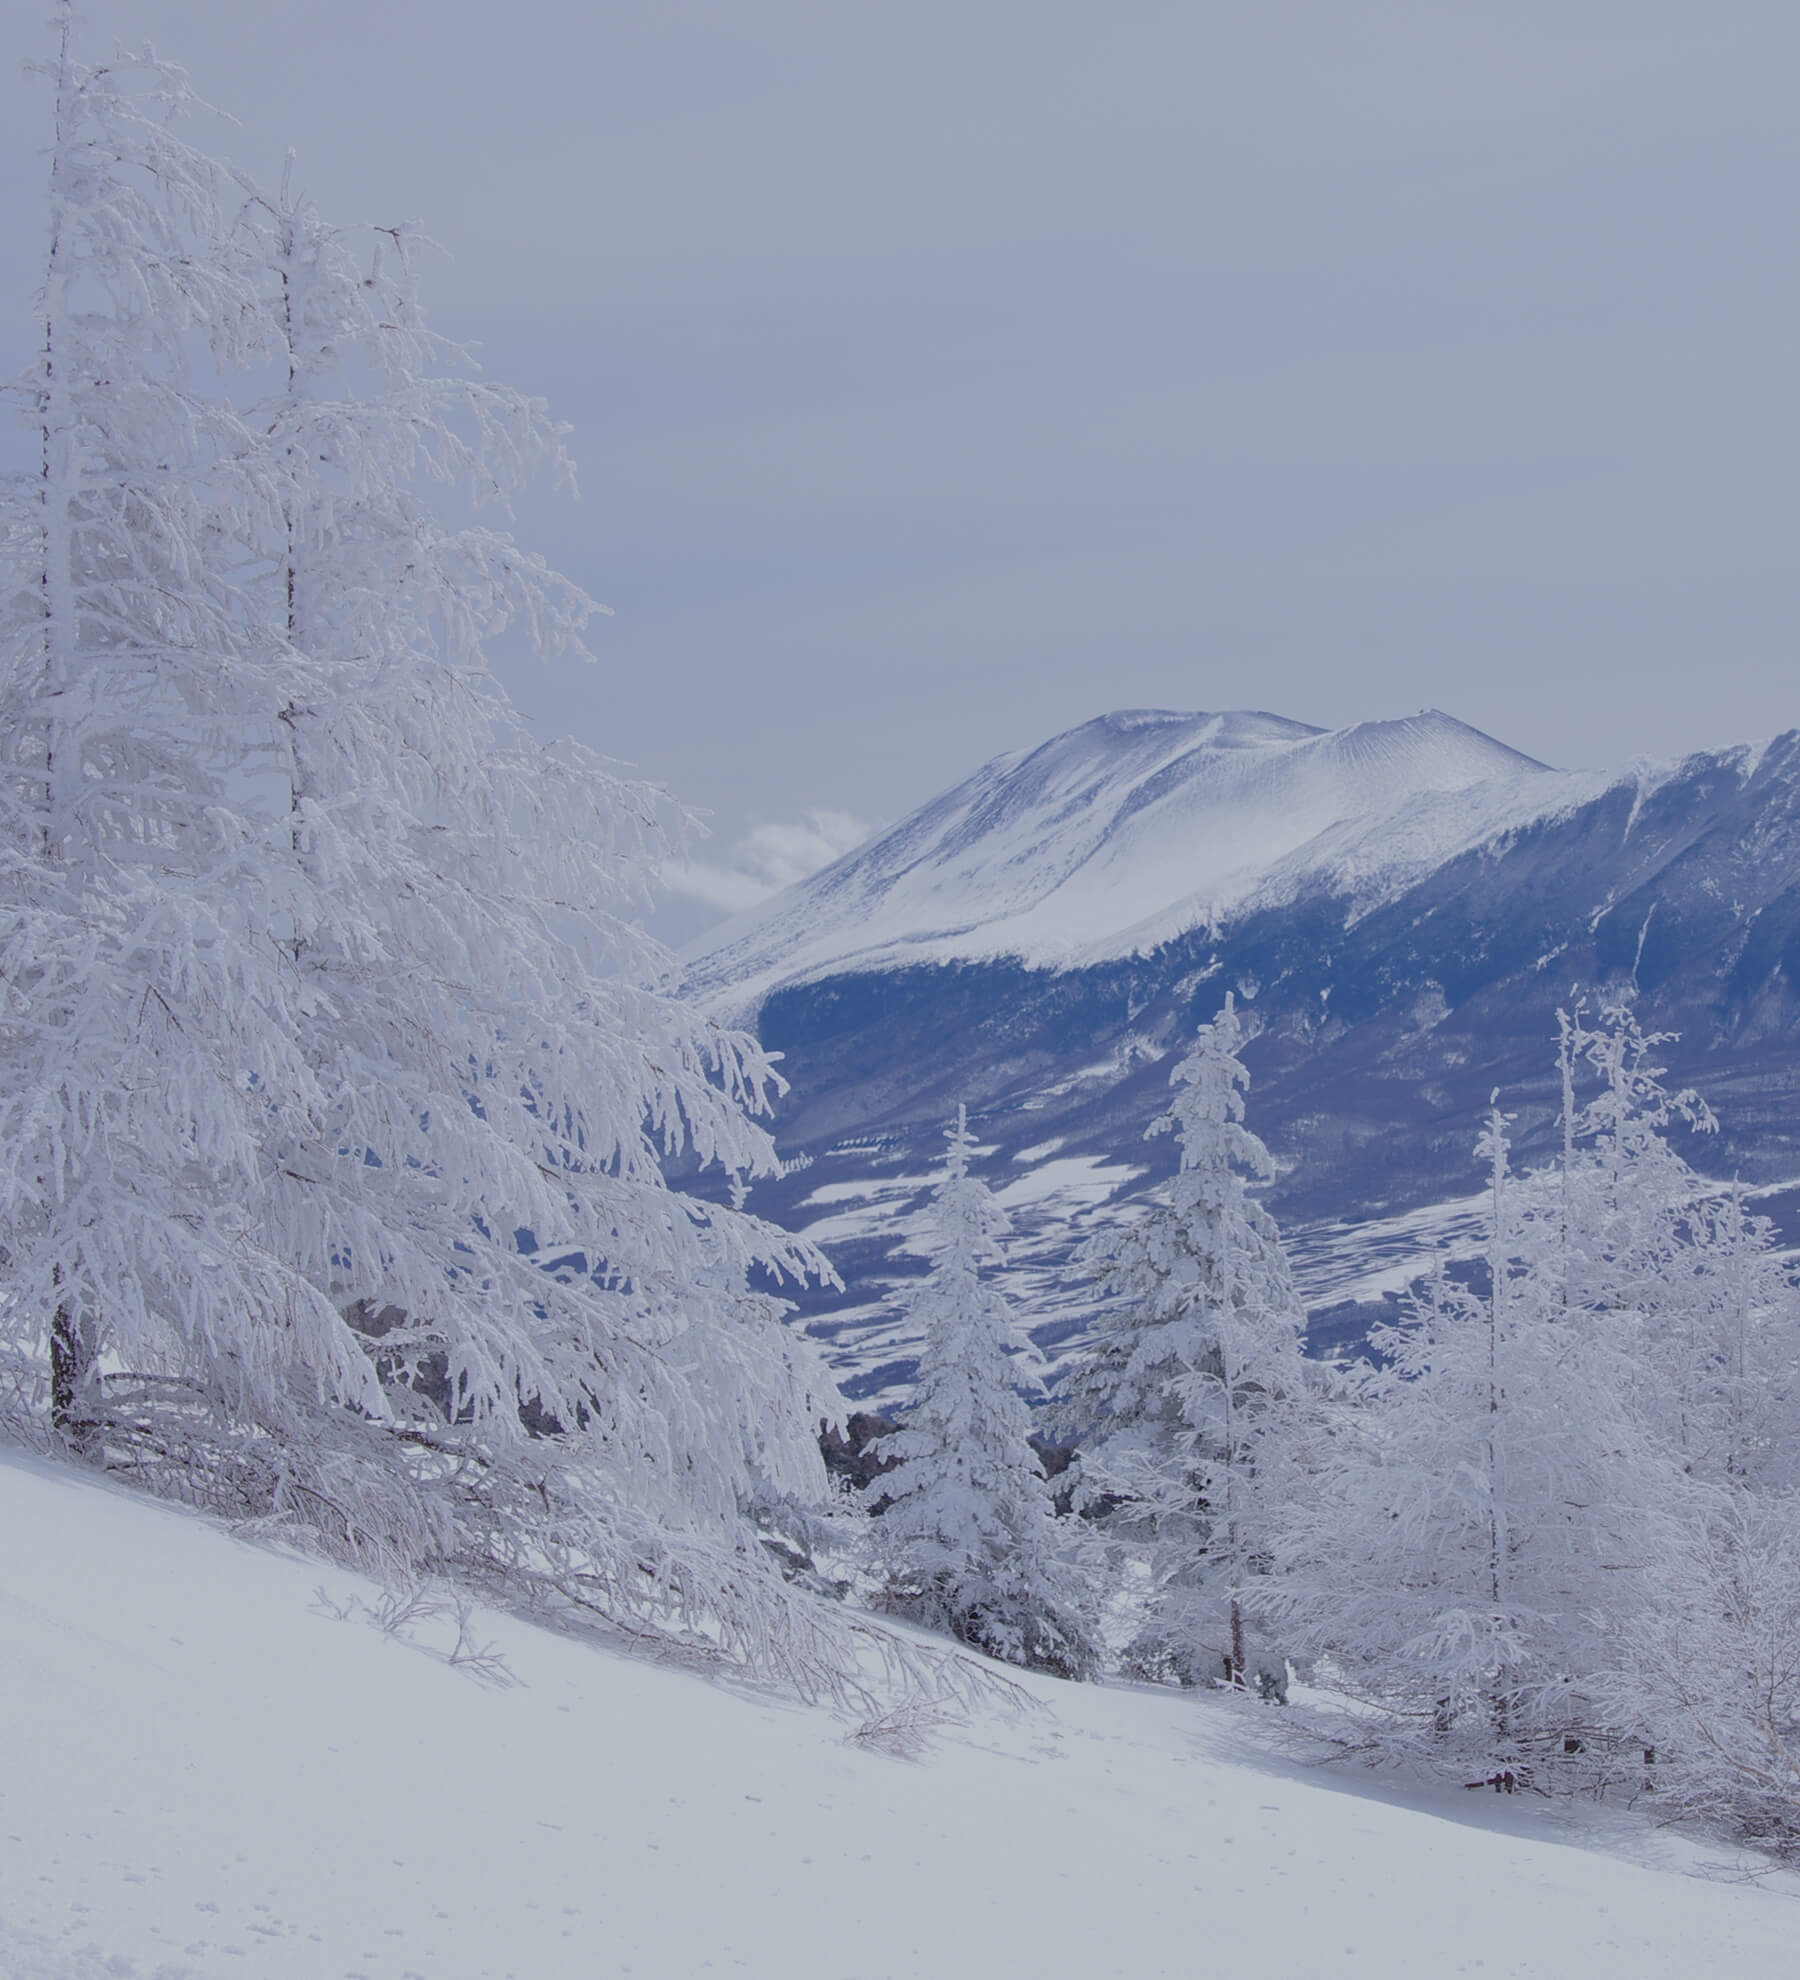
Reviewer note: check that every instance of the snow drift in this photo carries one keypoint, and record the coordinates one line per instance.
(205, 1772)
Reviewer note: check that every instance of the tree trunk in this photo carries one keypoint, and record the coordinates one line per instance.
(58, 479)
(72, 1413)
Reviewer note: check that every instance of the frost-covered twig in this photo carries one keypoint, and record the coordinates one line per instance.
(904, 1731)
(399, 1612)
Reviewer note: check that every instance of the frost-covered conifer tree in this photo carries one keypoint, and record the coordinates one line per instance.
(448, 875)
(143, 1017)
(1699, 1669)
(1484, 1499)
(1729, 1340)
(1197, 1377)
(1706, 1679)
(967, 1536)
(338, 1077)
(1636, 1232)
(1501, 1526)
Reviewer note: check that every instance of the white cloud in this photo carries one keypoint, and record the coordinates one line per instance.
(772, 855)
(715, 886)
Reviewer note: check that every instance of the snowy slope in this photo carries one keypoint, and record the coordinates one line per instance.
(1131, 829)
(203, 1775)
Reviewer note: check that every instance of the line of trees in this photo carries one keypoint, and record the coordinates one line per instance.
(1550, 1537)
(1546, 1535)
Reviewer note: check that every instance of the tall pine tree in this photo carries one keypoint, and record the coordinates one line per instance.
(1197, 1378)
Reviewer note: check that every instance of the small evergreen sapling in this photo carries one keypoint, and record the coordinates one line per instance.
(968, 1537)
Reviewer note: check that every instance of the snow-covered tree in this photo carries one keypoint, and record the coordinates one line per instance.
(337, 1078)
(1699, 1667)
(1732, 1343)
(143, 1013)
(1706, 1678)
(1637, 1232)
(968, 1538)
(1197, 1375)
(1476, 1510)
(492, 1031)
(1502, 1522)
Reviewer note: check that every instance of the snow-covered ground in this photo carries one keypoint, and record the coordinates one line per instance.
(1055, 1201)
(203, 1773)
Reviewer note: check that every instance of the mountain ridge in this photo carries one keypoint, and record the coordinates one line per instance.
(1123, 832)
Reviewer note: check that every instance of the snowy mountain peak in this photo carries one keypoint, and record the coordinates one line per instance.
(1236, 728)
(1121, 833)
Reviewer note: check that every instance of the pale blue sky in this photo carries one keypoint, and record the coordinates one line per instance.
(944, 374)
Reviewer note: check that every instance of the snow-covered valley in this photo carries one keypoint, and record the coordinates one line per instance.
(1401, 906)
(203, 1772)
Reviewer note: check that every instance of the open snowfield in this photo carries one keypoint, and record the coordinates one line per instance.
(202, 1774)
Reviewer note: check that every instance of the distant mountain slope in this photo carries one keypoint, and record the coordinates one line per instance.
(1127, 831)
(1401, 961)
